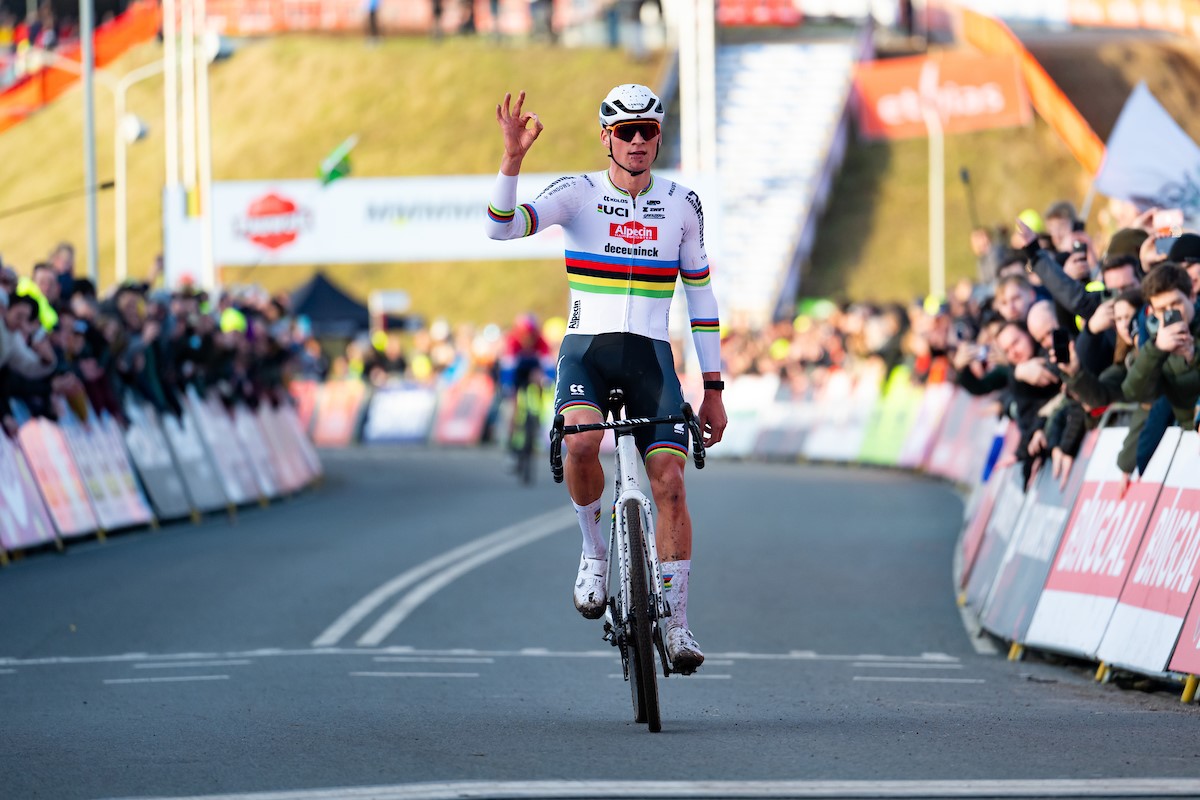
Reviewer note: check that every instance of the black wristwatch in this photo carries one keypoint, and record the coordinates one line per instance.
(718, 386)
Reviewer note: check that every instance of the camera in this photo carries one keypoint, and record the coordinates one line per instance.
(1079, 246)
(1171, 316)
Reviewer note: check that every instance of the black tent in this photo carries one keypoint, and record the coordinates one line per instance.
(332, 312)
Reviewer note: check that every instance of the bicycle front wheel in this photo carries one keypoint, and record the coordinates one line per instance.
(640, 622)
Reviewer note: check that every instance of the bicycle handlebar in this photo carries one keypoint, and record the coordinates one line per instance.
(560, 429)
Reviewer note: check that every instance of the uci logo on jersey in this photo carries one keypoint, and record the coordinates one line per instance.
(612, 211)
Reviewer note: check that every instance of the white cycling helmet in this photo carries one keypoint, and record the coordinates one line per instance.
(630, 101)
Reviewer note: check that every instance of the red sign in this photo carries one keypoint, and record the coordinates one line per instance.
(633, 232)
(964, 92)
(273, 221)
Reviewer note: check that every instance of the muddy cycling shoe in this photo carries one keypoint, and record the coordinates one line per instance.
(682, 650)
(591, 587)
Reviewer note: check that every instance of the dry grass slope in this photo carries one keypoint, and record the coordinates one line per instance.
(280, 105)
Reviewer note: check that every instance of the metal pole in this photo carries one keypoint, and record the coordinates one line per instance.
(121, 173)
(689, 156)
(706, 62)
(188, 73)
(87, 55)
(171, 92)
(204, 133)
(931, 111)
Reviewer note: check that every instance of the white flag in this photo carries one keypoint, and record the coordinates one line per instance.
(1150, 160)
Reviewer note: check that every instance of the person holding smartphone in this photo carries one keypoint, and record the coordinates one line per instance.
(1168, 364)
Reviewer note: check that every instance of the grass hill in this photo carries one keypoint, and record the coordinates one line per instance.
(425, 108)
(280, 105)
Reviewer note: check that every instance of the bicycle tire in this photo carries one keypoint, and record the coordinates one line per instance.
(641, 643)
(531, 424)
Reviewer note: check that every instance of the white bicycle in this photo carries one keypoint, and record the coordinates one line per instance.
(631, 619)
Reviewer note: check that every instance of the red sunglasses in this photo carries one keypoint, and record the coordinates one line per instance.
(626, 131)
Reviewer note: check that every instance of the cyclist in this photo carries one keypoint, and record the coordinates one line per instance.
(629, 238)
(525, 361)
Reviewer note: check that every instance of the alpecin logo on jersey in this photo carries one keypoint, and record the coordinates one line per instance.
(633, 232)
(576, 307)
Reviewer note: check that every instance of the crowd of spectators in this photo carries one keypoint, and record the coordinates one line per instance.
(63, 347)
(1057, 328)
(24, 42)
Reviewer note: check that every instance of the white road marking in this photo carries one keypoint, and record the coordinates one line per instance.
(882, 679)
(433, 660)
(366, 606)
(612, 790)
(7, 671)
(415, 674)
(395, 650)
(171, 679)
(514, 537)
(898, 665)
(240, 662)
(698, 676)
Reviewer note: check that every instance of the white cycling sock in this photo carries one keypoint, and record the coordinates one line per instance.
(675, 581)
(594, 543)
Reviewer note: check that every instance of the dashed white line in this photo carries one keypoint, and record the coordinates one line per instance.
(882, 679)
(240, 662)
(7, 671)
(415, 674)
(171, 679)
(433, 660)
(699, 676)
(896, 665)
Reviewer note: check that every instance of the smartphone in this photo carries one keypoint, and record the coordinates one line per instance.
(1060, 348)
(1079, 246)
(1171, 316)
(1167, 221)
(1163, 244)
(1078, 226)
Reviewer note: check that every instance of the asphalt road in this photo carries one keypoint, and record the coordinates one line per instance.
(408, 626)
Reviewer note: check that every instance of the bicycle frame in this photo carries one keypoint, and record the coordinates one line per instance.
(627, 487)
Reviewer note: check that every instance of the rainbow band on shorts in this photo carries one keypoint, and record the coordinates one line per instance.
(670, 448)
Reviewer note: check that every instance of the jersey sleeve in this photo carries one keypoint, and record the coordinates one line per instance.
(697, 286)
(557, 204)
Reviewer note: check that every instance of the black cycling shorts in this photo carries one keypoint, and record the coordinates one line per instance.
(590, 366)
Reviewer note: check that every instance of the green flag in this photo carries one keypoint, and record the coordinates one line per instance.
(337, 164)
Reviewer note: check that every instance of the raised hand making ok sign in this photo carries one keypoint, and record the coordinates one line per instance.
(518, 136)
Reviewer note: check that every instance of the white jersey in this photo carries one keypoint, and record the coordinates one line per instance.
(623, 254)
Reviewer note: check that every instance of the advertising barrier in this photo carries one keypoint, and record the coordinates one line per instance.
(155, 464)
(202, 479)
(1148, 619)
(232, 463)
(24, 520)
(1025, 565)
(58, 478)
(463, 410)
(254, 444)
(400, 413)
(1098, 548)
(339, 407)
(744, 401)
(106, 471)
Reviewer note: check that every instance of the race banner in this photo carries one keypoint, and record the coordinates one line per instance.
(58, 478)
(305, 395)
(1098, 548)
(1162, 582)
(981, 511)
(231, 462)
(339, 407)
(463, 410)
(400, 413)
(254, 444)
(744, 400)
(107, 474)
(289, 462)
(372, 220)
(24, 520)
(844, 406)
(892, 419)
(1008, 514)
(1022, 574)
(965, 90)
(1150, 160)
(925, 427)
(303, 444)
(195, 464)
(783, 424)
(152, 457)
